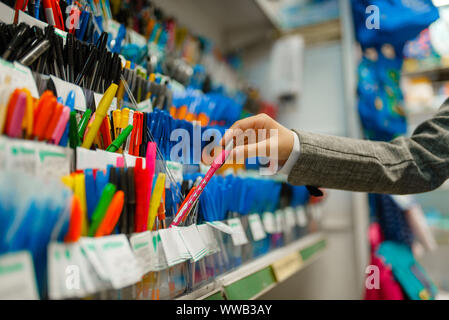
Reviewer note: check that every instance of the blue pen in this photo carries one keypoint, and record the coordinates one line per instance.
(84, 20)
(91, 192)
(119, 39)
(70, 102)
(37, 7)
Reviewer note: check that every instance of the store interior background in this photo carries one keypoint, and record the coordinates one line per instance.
(326, 103)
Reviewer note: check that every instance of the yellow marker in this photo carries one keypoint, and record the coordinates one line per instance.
(68, 181)
(155, 201)
(116, 119)
(80, 192)
(100, 114)
(124, 118)
(5, 93)
(27, 122)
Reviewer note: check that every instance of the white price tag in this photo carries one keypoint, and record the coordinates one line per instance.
(70, 274)
(220, 226)
(174, 247)
(63, 89)
(3, 151)
(193, 242)
(87, 159)
(98, 97)
(176, 172)
(112, 27)
(279, 217)
(301, 217)
(89, 245)
(256, 226)
(238, 235)
(207, 235)
(142, 245)
(21, 155)
(119, 261)
(269, 223)
(53, 161)
(17, 76)
(145, 106)
(17, 278)
(290, 219)
(55, 264)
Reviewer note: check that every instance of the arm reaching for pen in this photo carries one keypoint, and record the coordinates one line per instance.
(402, 166)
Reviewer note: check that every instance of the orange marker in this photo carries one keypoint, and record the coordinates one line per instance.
(53, 121)
(161, 210)
(203, 119)
(133, 134)
(41, 122)
(173, 111)
(74, 232)
(182, 113)
(138, 137)
(112, 215)
(43, 99)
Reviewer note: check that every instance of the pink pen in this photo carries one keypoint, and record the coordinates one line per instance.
(60, 126)
(188, 204)
(15, 127)
(150, 165)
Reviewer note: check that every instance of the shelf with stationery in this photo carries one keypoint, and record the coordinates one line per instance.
(257, 277)
(99, 155)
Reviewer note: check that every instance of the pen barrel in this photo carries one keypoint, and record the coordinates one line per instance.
(100, 114)
(35, 53)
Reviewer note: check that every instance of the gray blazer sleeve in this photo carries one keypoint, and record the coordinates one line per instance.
(402, 166)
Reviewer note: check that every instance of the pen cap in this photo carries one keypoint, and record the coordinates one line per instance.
(124, 118)
(102, 206)
(120, 139)
(14, 128)
(112, 215)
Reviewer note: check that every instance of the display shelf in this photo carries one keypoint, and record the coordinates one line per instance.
(255, 278)
(426, 72)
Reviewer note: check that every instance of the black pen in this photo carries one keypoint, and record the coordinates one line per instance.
(70, 58)
(17, 40)
(59, 55)
(131, 199)
(35, 53)
(87, 65)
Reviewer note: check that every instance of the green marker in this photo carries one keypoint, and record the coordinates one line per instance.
(73, 134)
(102, 207)
(83, 123)
(115, 145)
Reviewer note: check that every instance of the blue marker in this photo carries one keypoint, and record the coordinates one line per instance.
(70, 102)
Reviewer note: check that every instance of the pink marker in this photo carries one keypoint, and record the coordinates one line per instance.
(120, 162)
(218, 162)
(60, 126)
(150, 165)
(15, 127)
